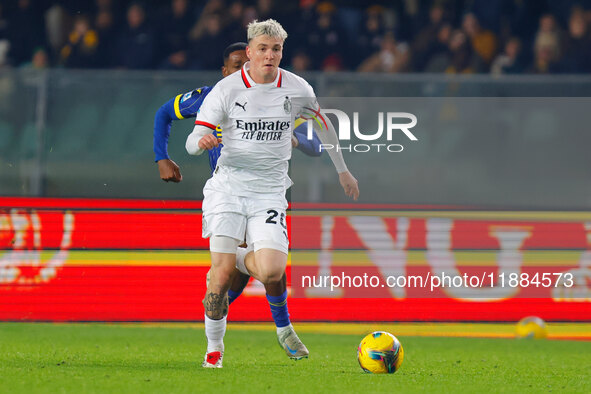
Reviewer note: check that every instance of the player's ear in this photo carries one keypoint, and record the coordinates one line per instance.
(248, 52)
(224, 71)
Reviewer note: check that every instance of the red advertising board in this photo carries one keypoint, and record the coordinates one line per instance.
(145, 260)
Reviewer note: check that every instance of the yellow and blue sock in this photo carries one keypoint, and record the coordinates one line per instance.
(278, 305)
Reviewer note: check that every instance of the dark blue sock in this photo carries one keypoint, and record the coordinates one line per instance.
(279, 311)
(232, 295)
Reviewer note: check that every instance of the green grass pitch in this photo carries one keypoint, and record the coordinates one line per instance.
(83, 358)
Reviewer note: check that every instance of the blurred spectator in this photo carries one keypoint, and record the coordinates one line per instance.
(562, 10)
(104, 5)
(511, 60)
(483, 42)
(4, 47)
(199, 28)
(392, 57)
(490, 12)
(173, 25)
(577, 51)
(81, 49)
(107, 33)
(302, 25)
(426, 43)
(548, 23)
(326, 36)
(58, 26)
(462, 60)
(371, 34)
(546, 53)
(249, 15)
(332, 63)
(266, 9)
(39, 61)
(280, 10)
(547, 46)
(136, 44)
(212, 37)
(439, 56)
(300, 62)
(4, 38)
(114, 8)
(234, 29)
(26, 31)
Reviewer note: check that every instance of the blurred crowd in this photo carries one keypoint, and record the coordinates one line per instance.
(463, 36)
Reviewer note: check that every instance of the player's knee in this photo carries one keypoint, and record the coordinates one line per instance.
(271, 274)
(220, 278)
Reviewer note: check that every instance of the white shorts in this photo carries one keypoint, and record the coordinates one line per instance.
(260, 221)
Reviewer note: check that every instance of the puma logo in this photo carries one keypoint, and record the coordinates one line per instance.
(241, 105)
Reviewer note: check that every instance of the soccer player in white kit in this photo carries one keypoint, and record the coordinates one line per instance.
(245, 198)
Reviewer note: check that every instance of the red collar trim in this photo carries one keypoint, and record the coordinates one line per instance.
(244, 78)
(247, 83)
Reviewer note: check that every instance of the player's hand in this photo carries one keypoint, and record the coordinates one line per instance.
(294, 141)
(349, 184)
(169, 171)
(208, 142)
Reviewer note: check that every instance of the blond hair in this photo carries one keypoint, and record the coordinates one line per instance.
(269, 27)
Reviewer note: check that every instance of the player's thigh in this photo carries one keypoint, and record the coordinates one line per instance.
(270, 264)
(267, 229)
(223, 215)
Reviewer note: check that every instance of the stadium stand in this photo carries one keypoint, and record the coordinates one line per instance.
(477, 36)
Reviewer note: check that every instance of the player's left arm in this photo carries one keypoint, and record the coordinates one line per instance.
(211, 113)
(327, 135)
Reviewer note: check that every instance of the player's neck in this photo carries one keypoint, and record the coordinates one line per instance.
(262, 79)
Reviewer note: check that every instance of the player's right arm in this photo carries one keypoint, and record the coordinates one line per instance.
(212, 113)
(201, 139)
(180, 107)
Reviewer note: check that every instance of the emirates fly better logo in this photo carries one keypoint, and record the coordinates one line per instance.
(396, 123)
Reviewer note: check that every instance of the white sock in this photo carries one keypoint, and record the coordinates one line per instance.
(214, 331)
(281, 329)
(240, 257)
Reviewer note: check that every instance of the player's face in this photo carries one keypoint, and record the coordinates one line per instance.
(234, 62)
(265, 54)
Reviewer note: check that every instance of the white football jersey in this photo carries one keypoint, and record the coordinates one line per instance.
(256, 121)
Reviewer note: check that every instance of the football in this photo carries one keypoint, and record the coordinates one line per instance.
(380, 352)
(531, 327)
